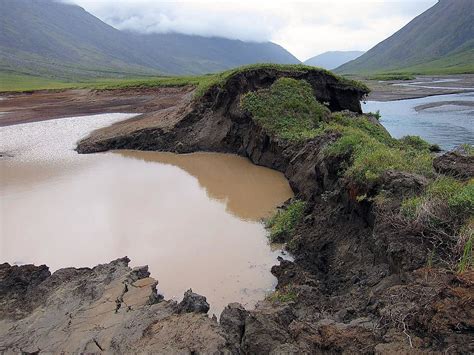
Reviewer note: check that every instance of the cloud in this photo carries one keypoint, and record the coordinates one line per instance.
(304, 28)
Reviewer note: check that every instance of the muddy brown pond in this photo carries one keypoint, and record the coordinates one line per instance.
(194, 219)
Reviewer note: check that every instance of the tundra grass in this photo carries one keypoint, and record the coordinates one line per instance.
(288, 109)
(17, 82)
(22, 82)
(284, 295)
(283, 223)
(391, 76)
(372, 150)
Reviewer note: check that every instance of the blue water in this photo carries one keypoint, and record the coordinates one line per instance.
(448, 125)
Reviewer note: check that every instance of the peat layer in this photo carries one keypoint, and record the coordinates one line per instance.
(360, 282)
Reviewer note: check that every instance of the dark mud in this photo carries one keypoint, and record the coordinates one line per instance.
(358, 283)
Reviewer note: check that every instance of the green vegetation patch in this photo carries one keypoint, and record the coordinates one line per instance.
(221, 79)
(284, 222)
(392, 76)
(445, 210)
(416, 142)
(284, 295)
(20, 82)
(373, 151)
(10, 82)
(466, 261)
(467, 149)
(288, 109)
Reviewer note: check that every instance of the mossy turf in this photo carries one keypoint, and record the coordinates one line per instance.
(446, 209)
(372, 150)
(283, 223)
(288, 109)
(284, 295)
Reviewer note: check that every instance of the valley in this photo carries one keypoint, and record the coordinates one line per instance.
(175, 180)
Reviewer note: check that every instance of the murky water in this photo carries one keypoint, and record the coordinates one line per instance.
(194, 219)
(449, 122)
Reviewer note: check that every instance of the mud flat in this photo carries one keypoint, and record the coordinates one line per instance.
(51, 104)
(358, 282)
(422, 86)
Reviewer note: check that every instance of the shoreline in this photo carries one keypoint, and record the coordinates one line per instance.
(396, 90)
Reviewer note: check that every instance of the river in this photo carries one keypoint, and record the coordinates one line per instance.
(446, 120)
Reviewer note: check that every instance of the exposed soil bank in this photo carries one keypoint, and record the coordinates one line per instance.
(358, 284)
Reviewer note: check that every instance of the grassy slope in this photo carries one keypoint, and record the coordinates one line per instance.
(13, 82)
(20, 82)
(439, 41)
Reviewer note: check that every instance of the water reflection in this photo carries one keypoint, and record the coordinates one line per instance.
(193, 219)
(249, 191)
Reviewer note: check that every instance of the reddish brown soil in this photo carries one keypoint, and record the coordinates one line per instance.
(46, 105)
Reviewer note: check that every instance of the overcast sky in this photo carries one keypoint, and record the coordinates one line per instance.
(304, 28)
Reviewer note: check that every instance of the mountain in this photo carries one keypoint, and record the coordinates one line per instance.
(332, 60)
(49, 38)
(439, 40)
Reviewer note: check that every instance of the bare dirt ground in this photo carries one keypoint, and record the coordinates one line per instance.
(45, 105)
(422, 86)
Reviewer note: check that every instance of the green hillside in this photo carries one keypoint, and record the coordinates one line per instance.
(440, 40)
(64, 42)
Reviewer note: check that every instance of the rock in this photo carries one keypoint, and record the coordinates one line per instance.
(456, 163)
(193, 303)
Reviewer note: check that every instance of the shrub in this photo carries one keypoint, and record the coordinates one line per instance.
(288, 109)
(283, 223)
(416, 142)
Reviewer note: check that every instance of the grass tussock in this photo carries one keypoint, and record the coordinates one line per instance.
(444, 212)
(416, 142)
(284, 222)
(284, 295)
(288, 109)
(373, 151)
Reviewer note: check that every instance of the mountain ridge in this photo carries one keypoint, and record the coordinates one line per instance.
(332, 59)
(62, 40)
(442, 31)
